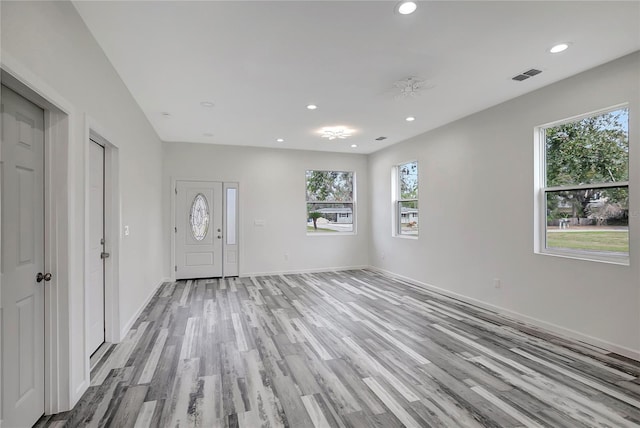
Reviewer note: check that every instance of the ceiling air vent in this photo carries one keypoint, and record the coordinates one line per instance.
(532, 72)
(526, 75)
(381, 138)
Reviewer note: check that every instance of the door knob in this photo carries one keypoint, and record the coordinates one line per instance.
(40, 277)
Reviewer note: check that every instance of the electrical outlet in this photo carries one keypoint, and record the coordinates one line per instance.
(126, 231)
(497, 283)
(286, 256)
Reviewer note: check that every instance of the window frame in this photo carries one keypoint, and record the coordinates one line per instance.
(541, 190)
(397, 201)
(352, 202)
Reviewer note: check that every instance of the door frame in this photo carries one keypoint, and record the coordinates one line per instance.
(58, 213)
(173, 225)
(93, 131)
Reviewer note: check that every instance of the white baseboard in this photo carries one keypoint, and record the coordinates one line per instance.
(287, 272)
(132, 320)
(516, 316)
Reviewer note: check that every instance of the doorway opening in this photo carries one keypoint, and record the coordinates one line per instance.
(102, 243)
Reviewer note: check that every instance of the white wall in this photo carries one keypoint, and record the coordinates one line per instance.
(477, 208)
(272, 188)
(50, 43)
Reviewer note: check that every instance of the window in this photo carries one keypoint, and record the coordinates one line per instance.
(584, 186)
(199, 217)
(330, 202)
(406, 206)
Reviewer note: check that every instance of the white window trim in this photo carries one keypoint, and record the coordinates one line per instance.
(540, 203)
(395, 202)
(352, 202)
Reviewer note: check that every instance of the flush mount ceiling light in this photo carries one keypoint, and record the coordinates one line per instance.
(406, 7)
(353, 146)
(280, 140)
(207, 104)
(312, 107)
(410, 119)
(560, 47)
(411, 86)
(336, 132)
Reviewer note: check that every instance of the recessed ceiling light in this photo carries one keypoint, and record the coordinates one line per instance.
(410, 119)
(207, 104)
(336, 132)
(280, 140)
(312, 107)
(353, 146)
(166, 114)
(559, 48)
(406, 7)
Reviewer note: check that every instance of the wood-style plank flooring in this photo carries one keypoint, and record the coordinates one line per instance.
(345, 349)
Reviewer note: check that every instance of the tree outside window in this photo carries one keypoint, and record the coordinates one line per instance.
(586, 187)
(330, 201)
(407, 199)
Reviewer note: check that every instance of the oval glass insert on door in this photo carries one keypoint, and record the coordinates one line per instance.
(199, 217)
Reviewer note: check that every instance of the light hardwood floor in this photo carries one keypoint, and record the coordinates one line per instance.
(345, 349)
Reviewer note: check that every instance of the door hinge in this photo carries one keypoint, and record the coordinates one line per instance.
(175, 268)
(176, 229)
(176, 189)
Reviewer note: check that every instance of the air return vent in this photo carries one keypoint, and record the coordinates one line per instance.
(526, 75)
(532, 72)
(381, 138)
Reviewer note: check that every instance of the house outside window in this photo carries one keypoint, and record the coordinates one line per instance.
(330, 202)
(583, 187)
(406, 199)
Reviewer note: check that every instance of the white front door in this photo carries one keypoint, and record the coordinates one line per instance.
(22, 172)
(198, 229)
(95, 286)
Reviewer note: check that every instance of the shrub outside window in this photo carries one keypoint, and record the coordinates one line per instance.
(330, 202)
(585, 186)
(407, 199)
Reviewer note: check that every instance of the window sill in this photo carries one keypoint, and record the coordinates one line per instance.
(331, 233)
(413, 237)
(622, 260)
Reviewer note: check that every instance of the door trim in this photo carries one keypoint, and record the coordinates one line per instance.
(112, 332)
(58, 116)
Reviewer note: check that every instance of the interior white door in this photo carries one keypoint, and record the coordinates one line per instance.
(22, 167)
(198, 229)
(95, 285)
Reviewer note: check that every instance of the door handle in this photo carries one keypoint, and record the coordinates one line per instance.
(104, 255)
(46, 277)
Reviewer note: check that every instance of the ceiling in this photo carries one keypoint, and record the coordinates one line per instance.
(262, 62)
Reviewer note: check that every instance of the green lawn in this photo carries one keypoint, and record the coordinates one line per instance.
(590, 240)
(320, 229)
